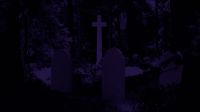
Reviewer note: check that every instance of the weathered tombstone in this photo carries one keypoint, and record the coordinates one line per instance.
(113, 76)
(61, 79)
(171, 75)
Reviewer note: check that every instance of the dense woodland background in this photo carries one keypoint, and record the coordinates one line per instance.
(31, 29)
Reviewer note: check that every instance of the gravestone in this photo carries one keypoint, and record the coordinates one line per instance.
(171, 75)
(99, 24)
(113, 76)
(61, 79)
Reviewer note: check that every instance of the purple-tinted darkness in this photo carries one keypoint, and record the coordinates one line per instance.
(159, 44)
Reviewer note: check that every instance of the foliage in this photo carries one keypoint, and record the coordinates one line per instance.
(42, 30)
(88, 73)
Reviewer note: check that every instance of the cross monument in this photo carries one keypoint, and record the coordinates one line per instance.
(99, 24)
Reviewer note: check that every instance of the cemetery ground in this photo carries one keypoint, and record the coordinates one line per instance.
(39, 97)
(89, 91)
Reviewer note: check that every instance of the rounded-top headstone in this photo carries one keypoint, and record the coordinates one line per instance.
(61, 79)
(113, 76)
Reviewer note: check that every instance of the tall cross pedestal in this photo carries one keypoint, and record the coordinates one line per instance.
(99, 24)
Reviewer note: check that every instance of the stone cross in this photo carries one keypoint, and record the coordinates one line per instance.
(99, 24)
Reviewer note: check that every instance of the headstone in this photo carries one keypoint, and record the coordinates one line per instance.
(99, 25)
(171, 75)
(61, 79)
(113, 76)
